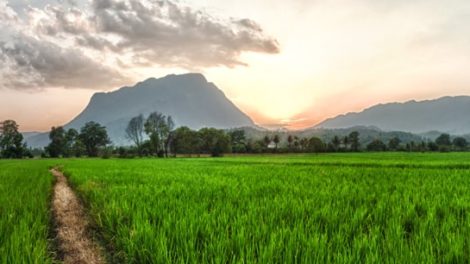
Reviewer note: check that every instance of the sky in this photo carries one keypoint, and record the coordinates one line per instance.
(285, 63)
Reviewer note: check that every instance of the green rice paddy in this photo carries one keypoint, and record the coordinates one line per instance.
(342, 208)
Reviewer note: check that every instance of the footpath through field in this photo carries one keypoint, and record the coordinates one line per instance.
(75, 242)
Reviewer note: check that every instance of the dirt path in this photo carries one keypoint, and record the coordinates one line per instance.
(74, 241)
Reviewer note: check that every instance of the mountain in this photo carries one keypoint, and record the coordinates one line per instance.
(27, 135)
(189, 98)
(446, 114)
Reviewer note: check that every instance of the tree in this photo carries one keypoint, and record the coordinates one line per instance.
(167, 135)
(346, 143)
(303, 144)
(186, 141)
(71, 141)
(353, 138)
(335, 142)
(394, 143)
(238, 140)
(316, 145)
(152, 128)
(56, 147)
(290, 140)
(266, 141)
(460, 143)
(78, 148)
(11, 140)
(377, 145)
(159, 127)
(135, 130)
(432, 146)
(62, 142)
(422, 146)
(214, 141)
(93, 136)
(255, 146)
(296, 142)
(411, 146)
(276, 141)
(443, 140)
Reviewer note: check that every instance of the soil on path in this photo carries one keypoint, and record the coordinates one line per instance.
(72, 227)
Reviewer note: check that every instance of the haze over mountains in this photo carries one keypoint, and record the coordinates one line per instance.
(189, 98)
(446, 114)
(194, 102)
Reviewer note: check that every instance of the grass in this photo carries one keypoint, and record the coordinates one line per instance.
(25, 189)
(347, 208)
(343, 208)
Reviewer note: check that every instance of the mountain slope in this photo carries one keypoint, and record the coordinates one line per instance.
(188, 98)
(447, 114)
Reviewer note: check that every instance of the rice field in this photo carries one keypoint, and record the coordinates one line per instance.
(347, 208)
(333, 208)
(25, 188)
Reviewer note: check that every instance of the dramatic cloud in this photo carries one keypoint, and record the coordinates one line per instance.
(31, 63)
(170, 34)
(96, 46)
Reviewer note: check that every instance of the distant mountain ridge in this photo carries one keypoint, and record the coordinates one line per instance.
(446, 114)
(189, 98)
(193, 101)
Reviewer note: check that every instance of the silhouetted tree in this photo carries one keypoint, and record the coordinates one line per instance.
(460, 143)
(353, 138)
(316, 145)
(443, 140)
(412, 146)
(303, 144)
(432, 146)
(422, 146)
(335, 142)
(394, 143)
(266, 141)
(377, 145)
(444, 143)
(276, 141)
(346, 143)
(290, 140)
(93, 136)
(296, 142)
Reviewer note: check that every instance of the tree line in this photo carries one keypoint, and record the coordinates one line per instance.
(157, 135)
(11, 141)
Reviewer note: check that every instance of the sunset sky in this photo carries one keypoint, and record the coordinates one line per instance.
(290, 63)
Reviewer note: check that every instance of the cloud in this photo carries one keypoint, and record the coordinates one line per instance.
(170, 34)
(30, 63)
(99, 45)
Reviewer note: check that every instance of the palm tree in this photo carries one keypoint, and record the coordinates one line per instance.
(336, 142)
(266, 141)
(276, 141)
(290, 139)
(346, 142)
